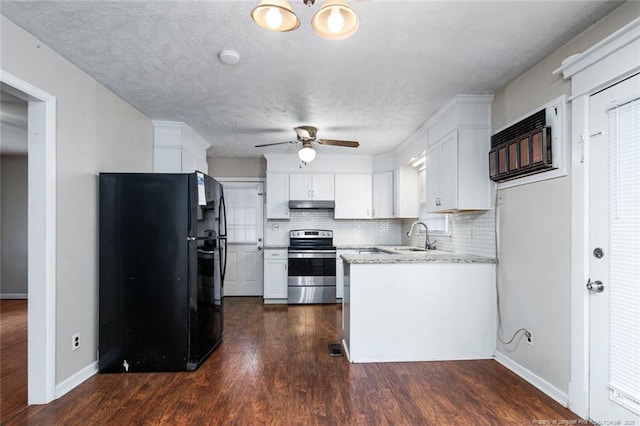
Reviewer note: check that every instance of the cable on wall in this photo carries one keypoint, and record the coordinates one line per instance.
(497, 244)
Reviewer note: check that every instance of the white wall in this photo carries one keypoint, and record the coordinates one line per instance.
(13, 225)
(96, 131)
(534, 225)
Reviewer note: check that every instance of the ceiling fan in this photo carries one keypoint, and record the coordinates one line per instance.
(306, 135)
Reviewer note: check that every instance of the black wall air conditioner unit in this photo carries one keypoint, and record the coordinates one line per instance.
(522, 149)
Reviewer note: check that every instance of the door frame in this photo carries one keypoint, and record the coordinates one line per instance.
(264, 198)
(41, 212)
(604, 64)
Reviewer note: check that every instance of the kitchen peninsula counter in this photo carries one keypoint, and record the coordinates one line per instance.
(437, 256)
(418, 306)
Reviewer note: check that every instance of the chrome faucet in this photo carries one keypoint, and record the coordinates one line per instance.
(428, 245)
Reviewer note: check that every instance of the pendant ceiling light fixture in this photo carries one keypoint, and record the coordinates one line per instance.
(275, 15)
(306, 153)
(334, 20)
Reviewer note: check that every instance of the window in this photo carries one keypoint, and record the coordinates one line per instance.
(242, 217)
(438, 223)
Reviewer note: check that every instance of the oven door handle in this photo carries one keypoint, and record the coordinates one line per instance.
(318, 254)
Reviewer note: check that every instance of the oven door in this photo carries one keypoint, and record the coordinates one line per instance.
(312, 276)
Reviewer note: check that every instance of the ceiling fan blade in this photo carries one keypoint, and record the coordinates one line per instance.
(274, 143)
(349, 144)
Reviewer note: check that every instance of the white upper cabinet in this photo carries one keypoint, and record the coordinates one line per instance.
(382, 195)
(316, 186)
(458, 146)
(277, 196)
(406, 192)
(352, 196)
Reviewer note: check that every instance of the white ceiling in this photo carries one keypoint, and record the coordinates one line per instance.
(406, 60)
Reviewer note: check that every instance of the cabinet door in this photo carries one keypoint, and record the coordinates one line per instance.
(353, 196)
(300, 186)
(407, 196)
(449, 172)
(322, 187)
(382, 195)
(277, 196)
(275, 274)
(432, 169)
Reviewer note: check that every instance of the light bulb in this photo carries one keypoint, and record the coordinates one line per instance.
(307, 154)
(335, 22)
(273, 17)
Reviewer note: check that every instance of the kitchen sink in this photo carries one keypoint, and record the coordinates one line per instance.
(369, 251)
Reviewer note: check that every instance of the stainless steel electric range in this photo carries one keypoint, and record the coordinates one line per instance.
(312, 266)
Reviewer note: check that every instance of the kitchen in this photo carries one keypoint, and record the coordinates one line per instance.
(542, 304)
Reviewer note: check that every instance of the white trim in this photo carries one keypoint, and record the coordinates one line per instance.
(545, 387)
(77, 379)
(577, 63)
(604, 64)
(41, 147)
(238, 179)
(14, 296)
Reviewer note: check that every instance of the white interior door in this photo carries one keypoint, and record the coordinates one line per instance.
(614, 240)
(245, 208)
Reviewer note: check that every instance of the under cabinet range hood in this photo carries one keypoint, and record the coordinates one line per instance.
(312, 204)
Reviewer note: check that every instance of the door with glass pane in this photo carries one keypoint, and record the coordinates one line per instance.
(244, 201)
(614, 252)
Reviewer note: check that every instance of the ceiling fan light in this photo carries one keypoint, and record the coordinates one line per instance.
(307, 154)
(275, 15)
(335, 20)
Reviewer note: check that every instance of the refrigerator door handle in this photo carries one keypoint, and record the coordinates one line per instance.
(223, 258)
(222, 213)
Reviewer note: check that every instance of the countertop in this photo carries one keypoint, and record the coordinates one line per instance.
(431, 256)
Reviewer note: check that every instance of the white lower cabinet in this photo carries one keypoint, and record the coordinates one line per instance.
(275, 276)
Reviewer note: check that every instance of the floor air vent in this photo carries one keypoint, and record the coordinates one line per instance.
(335, 349)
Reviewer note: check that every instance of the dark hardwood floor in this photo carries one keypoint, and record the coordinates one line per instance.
(273, 368)
(13, 357)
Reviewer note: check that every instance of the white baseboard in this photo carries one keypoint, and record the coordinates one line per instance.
(275, 301)
(553, 392)
(14, 296)
(75, 380)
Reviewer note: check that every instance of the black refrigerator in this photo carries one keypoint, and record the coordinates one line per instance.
(162, 260)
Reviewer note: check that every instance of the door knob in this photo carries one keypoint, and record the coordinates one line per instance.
(259, 247)
(595, 286)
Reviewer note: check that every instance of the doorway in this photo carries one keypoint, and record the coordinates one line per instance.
(13, 254)
(614, 245)
(41, 241)
(245, 255)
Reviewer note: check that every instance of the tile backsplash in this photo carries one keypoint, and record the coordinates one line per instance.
(471, 232)
(345, 232)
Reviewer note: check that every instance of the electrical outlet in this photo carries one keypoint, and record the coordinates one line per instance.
(500, 197)
(275, 226)
(528, 335)
(75, 341)
(472, 234)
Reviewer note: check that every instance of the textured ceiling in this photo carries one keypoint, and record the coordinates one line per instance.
(378, 86)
